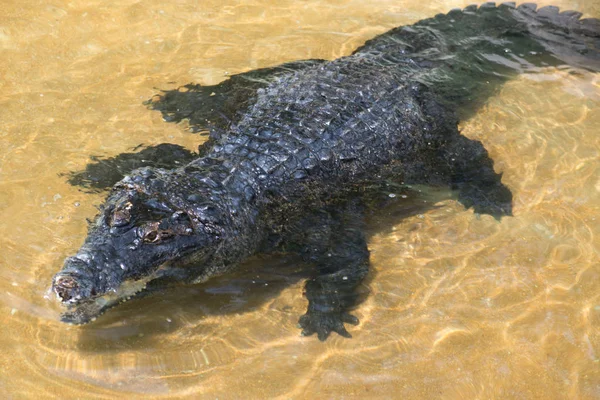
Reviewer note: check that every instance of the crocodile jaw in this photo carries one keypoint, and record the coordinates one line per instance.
(87, 311)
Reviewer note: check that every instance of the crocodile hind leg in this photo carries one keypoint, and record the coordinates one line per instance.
(453, 159)
(472, 174)
(333, 240)
(218, 106)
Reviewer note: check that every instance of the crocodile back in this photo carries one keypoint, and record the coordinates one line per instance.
(340, 120)
(333, 123)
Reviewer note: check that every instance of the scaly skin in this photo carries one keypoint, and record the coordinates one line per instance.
(290, 147)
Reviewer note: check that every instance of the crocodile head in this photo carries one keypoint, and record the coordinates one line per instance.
(146, 232)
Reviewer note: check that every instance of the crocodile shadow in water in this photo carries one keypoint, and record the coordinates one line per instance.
(103, 172)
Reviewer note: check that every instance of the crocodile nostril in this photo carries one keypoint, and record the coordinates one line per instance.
(65, 287)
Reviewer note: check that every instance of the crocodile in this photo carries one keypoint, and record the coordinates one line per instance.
(291, 149)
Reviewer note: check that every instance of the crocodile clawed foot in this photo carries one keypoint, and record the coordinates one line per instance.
(323, 323)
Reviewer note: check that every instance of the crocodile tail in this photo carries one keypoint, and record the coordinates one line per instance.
(565, 35)
(466, 53)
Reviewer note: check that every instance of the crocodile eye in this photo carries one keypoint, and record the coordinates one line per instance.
(149, 233)
(121, 214)
(151, 237)
(152, 233)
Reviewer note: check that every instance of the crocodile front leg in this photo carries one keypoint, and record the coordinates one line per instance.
(334, 241)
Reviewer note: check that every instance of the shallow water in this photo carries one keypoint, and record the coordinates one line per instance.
(456, 306)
